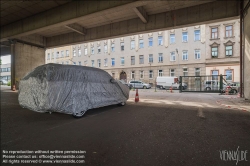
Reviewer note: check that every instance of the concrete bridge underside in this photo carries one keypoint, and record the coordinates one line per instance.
(73, 22)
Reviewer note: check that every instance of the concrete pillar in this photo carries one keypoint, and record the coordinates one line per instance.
(24, 58)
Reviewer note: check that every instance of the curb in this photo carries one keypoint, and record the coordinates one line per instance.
(228, 106)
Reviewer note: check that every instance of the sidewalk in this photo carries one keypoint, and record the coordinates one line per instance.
(234, 102)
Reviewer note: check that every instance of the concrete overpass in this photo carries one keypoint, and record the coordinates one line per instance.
(28, 28)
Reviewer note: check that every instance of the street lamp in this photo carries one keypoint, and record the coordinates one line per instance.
(178, 62)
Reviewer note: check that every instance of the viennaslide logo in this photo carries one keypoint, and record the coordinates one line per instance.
(233, 155)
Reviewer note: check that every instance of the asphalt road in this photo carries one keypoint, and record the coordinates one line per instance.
(162, 129)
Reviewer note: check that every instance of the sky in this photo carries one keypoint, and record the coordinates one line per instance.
(5, 59)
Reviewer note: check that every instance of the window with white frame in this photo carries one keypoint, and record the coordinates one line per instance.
(67, 53)
(184, 37)
(122, 61)
(197, 35)
(93, 63)
(132, 60)
(99, 62)
(99, 49)
(122, 46)
(151, 74)
(132, 44)
(160, 40)
(160, 58)
(215, 74)
(141, 57)
(197, 54)
(85, 51)
(185, 72)
(214, 33)
(141, 74)
(229, 50)
(150, 41)
(48, 56)
(106, 62)
(132, 74)
(160, 73)
(52, 55)
(105, 48)
(229, 75)
(113, 47)
(172, 56)
(62, 55)
(141, 44)
(172, 72)
(172, 38)
(112, 61)
(74, 52)
(197, 71)
(214, 51)
(92, 51)
(150, 58)
(184, 55)
(229, 31)
(80, 63)
(79, 52)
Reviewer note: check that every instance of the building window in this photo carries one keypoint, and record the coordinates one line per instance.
(197, 36)
(197, 54)
(122, 61)
(67, 53)
(160, 40)
(105, 48)
(214, 51)
(48, 56)
(185, 72)
(132, 74)
(92, 63)
(184, 37)
(197, 71)
(229, 50)
(151, 74)
(92, 51)
(106, 62)
(150, 42)
(74, 52)
(184, 55)
(229, 31)
(172, 56)
(172, 38)
(141, 74)
(160, 58)
(112, 61)
(132, 44)
(113, 47)
(62, 54)
(229, 75)
(160, 73)
(80, 63)
(141, 44)
(214, 33)
(57, 55)
(150, 58)
(80, 52)
(99, 49)
(99, 62)
(215, 74)
(122, 46)
(141, 59)
(132, 60)
(52, 55)
(172, 72)
(85, 51)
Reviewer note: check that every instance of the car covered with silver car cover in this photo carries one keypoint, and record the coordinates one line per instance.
(69, 89)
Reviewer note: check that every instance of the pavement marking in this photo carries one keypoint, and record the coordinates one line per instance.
(200, 113)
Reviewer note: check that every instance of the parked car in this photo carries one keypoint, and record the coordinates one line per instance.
(139, 84)
(167, 82)
(69, 89)
(3, 82)
(212, 85)
(233, 87)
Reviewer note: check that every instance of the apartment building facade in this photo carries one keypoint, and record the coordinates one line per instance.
(188, 51)
(5, 72)
(61, 55)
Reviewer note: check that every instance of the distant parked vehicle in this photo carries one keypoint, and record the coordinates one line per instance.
(167, 82)
(212, 85)
(3, 82)
(233, 87)
(139, 84)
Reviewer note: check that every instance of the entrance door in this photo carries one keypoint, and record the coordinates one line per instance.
(123, 76)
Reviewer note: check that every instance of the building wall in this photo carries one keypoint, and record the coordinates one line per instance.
(62, 57)
(5, 72)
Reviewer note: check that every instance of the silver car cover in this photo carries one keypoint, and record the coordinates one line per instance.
(69, 89)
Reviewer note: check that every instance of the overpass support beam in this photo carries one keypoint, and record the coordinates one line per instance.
(141, 13)
(24, 58)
